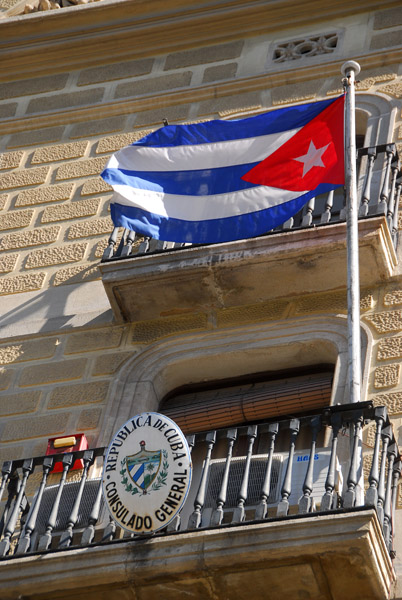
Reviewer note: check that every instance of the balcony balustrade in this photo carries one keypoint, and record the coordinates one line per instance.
(246, 474)
(379, 187)
(269, 502)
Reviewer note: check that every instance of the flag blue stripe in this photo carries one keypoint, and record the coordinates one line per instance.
(212, 230)
(185, 183)
(275, 121)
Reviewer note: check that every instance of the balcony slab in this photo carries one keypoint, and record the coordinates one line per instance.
(317, 557)
(205, 278)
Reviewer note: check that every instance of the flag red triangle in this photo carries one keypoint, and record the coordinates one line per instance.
(314, 155)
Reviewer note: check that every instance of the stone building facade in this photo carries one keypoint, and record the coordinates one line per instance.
(78, 83)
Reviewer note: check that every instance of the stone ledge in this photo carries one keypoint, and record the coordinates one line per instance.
(296, 557)
(221, 276)
(103, 37)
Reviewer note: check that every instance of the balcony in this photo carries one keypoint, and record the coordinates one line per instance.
(276, 506)
(306, 254)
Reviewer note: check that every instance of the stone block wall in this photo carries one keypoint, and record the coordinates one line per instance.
(56, 385)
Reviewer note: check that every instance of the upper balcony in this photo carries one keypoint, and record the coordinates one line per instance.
(306, 254)
(275, 505)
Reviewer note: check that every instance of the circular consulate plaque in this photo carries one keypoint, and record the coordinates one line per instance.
(147, 473)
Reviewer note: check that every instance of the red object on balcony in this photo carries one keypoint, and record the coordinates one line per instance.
(65, 444)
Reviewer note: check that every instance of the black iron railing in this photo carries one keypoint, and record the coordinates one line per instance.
(380, 186)
(306, 466)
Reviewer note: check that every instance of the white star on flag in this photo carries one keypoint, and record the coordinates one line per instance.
(312, 158)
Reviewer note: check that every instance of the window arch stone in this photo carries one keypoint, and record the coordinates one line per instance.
(147, 378)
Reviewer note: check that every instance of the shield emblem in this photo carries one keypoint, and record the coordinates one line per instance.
(143, 467)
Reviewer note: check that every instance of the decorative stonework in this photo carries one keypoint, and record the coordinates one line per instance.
(333, 302)
(387, 376)
(11, 160)
(384, 322)
(264, 311)
(393, 298)
(89, 228)
(116, 142)
(59, 152)
(311, 46)
(21, 283)
(40, 195)
(390, 348)
(393, 89)
(95, 186)
(77, 274)
(393, 402)
(366, 83)
(246, 110)
(46, 257)
(7, 262)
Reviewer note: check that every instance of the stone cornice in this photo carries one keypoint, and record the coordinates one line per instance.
(196, 94)
(317, 547)
(46, 42)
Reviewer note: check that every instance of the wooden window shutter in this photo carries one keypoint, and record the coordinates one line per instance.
(222, 407)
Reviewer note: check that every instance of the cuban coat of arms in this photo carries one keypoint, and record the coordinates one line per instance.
(147, 469)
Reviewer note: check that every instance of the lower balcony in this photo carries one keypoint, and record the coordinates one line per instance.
(275, 508)
(334, 556)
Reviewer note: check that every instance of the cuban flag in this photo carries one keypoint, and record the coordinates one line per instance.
(226, 180)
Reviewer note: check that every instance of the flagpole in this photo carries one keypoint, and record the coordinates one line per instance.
(349, 70)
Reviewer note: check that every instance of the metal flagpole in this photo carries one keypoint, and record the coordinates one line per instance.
(354, 496)
(349, 70)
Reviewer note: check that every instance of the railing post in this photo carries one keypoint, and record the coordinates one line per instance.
(108, 252)
(217, 515)
(328, 498)
(25, 539)
(349, 499)
(391, 203)
(195, 518)
(308, 217)
(128, 247)
(46, 539)
(89, 532)
(306, 501)
(239, 511)
(386, 436)
(11, 523)
(13, 487)
(329, 202)
(5, 472)
(67, 536)
(144, 246)
(395, 222)
(380, 416)
(387, 528)
(396, 474)
(382, 206)
(364, 206)
(109, 532)
(262, 509)
(286, 490)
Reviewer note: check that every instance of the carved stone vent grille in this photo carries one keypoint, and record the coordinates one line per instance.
(312, 46)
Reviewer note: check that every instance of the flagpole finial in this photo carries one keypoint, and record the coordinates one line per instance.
(350, 65)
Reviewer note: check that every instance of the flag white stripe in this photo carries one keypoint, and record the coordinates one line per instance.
(197, 208)
(199, 156)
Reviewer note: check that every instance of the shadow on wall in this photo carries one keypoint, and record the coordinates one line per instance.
(54, 309)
